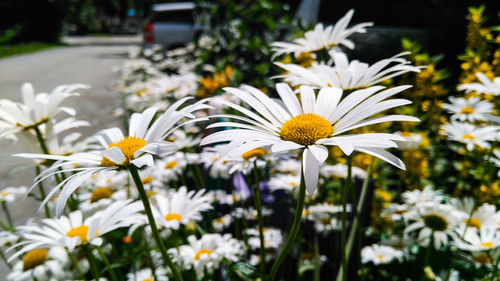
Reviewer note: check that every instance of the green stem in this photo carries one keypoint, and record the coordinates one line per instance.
(7, 214)
(41, 140)
(75, 265)
(6, 227)
(293, 231)
(156, 235)
(347, 185)
(107, 263)
(42, 193)
(359, 208)
(92, 262)
(258, 207)
(2, 255)
(198, 176)
(317, 258)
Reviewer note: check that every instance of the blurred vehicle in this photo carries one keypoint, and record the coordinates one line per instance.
(171, 25)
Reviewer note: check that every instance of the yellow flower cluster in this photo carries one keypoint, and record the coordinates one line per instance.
(210, 84)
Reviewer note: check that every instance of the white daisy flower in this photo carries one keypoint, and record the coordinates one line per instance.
(287, 165)
(171, 167)
(99, 199)
(485, 215)
(484, 239)
(206, 254)
(8, 238)
(434, 219)
(210, 157)
(222, 223)
(471, 109)
(311, 126)
(287, 182)
(412, 140)
(340, 171)
(396, 212)
(147, 275)
(273, 238)
(36, 109)
(485, 87)
(180, 207)
(118, 151)
(428, 194)
(322, 215)
(380, 254)
(75, 230)
(10, 194)
(470, 135)
(322, 38)
(40, 264)
(344, 74)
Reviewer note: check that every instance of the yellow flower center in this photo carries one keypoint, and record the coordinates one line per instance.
(405, 134)
(257, 152)
(305, 59)
(468, 137)
(151, 193)
(80, 231)
(306, 129)
(100, 193)
(474, 222)
(219, 220)
(171, 165)
(201, 252)
(147, 180)
(291, 183)
(436, 222)
(325, 221)
(141, 92)
(4, 193)
(467, 110)
(380, 257)
(483, 259)
(147, 279)
(487, 244)
(173, 216)
(128, 146)
(34, 258)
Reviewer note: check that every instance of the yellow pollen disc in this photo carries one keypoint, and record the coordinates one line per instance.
(128, 146)
(467, 110)
(474, 222)
(380, 257)
(305, 212)
(34, 258)
(147, 279)
(325, 221)
(171, 217)
(257, 152)
(487, 244)
(171, 165)
(219, 220)
(468, 137)
(4, 193)
(405, 134)
(100, 193)
(483, 259)
(201, 252)
(80, 231)
(306, 129)
(141, 92)
(147, 180)
(291, 183)
(151, 193)
(264, 230)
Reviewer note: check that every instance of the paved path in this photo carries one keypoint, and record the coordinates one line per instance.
(47, 69)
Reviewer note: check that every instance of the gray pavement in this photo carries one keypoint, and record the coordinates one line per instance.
(45, 70)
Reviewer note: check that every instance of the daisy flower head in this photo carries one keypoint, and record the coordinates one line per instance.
(206, 254)
(10, 194)
(344, 74)
(75, 230)
(486, 86)
(145, 139)
(471, 109)
(36, 109)
(412, 140)
(310, 125)
(147, 275)
(180, 207)
(471, 135)
(438, 220)
(322, 38)
(40, 264)
(273, 238)
(380, 254)
(484, 239)
(428, 194)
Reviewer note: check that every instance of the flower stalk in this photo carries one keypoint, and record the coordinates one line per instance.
(154, 229)
(258, 206)
(294, 230)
